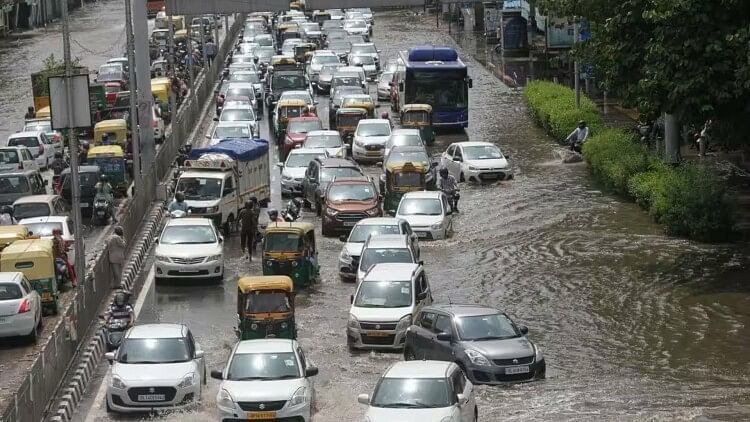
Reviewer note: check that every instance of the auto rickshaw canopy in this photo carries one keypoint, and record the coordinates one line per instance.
(416, 113)
(295, 227)
(22, 254)
(250, 284)
(104, 151)
(292, 102)
(368, 106)
(9, 234)
(402, 167)
(160, 88)
(115, 129)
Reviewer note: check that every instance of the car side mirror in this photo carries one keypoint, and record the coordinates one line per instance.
(45, 182)
(343, 238)
(311, 371)
(216, 374)
(216, 119)
(422, 296)
(523, 329)
(444, 337)
(379, 164)
(507, 156)
(110, 356)
(363, 398)
(198, 354)
(421, 262)
(462, 399)
(208, 136)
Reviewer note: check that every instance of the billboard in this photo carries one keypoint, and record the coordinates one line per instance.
(204, 7)
(63, 116)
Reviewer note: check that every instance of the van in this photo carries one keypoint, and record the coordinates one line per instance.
(15, 185)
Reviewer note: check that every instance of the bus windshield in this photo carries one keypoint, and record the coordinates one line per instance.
(444, 90)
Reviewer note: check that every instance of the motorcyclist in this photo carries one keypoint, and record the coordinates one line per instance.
(448, 185)
(179, 203)
(578, 136)
(83, 152)
(6, 216)
(384, 115)
(293, 207)
(121, 309)
(309, 111)
(273, 216)
(104, 189)
(249, 218)
(59, 164)
(30, 113)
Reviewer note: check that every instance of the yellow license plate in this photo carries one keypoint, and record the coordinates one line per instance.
(373, 153)
(46, 296)
(261, 415)
(378, 334)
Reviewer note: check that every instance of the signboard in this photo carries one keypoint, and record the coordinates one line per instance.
(203, 7)
(78, 114)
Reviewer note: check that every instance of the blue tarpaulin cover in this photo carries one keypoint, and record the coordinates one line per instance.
(240, 149)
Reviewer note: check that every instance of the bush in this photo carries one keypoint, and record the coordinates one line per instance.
(553, 106)
(614, 158)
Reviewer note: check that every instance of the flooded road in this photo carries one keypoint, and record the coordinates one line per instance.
(634, 325)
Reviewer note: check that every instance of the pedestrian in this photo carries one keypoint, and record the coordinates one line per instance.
(116, 252)
(30, 113)
(211, 50)
(249, 218)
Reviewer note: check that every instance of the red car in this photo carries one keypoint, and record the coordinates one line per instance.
(296, 131)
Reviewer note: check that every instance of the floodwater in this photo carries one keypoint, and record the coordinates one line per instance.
(634, 325)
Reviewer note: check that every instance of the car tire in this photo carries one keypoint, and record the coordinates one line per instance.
(409, 354)
(106, 403)
(33, 336)
(476, 414)
(318, 208)
(461, 178)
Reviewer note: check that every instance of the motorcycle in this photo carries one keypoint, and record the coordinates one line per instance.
(101, 210)
(291, 212)
(61, 272)
(114, 330)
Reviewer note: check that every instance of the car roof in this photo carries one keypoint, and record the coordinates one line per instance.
(276, 345)
(387, 241)
(157, 331)
(360, 180)
(304, 119)
(298, 151)
(375, 121)
(231, 123)
(419, 369)
(379, 221)
(431, 194)
(458, 309)
(323, 132)
(475, 144)
(402, 131)
(30, 199)
(46, 219)
(391, 272)
(363, 44)
(11, 277)
(189, 221)
(338, 162)
(25, 134)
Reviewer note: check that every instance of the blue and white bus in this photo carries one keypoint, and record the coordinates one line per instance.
(436, 76)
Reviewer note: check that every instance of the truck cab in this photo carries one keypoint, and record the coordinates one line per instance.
(210, 190)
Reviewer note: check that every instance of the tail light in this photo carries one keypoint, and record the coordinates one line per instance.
(25, 306)
(154, 124)
(41, 150)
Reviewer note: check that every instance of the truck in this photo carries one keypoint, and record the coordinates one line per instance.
(217, 180)
(285, 77)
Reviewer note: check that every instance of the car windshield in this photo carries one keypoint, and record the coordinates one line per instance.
(8, 157)
(324, 59)
(244, 59)
(187, 235)
(384, 294)
(264, 53)
(237, 115)
(482, 152)
(364, 49)
(30, 210)
(43, 229)
(13, 184)
(365, 60)
(386, 77)
(420, 206)
(288, 81)
(30, 141)
(38, 126)
(412, 393)
(153, 350)
(327, 174)
(296, 160)
(246, 92)
(10, 291)
(222, 132)
(355, 24)
(266, 301)
(353, 192)
(405, 139)
(304, 126)
(408, 157)
(339, 46)
(346, 81)
(250, 77)
(323, 141)
(199, 188)
(263, 366)
(264, 41)
(282, 242)
(372, 256)
(361, 232)
(374, 129)
(330, 68)
(486, 327)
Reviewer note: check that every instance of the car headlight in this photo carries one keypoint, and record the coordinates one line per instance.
(286, 178)
(118, 383)
(298, 397)
(404, 323)
(373, 211)
(331, 211)
(162, 258)
(353, 322)
(224, 400)
(359, 143)
(538, 355)
(344, 256)
(294, 263)
(477, 358)
(188, 381)
(436, 226)
(213, 258)
(212, 209)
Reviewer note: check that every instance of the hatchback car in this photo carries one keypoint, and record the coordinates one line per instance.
(16, 185)
(402, 138)
(156, 367)
(17, 158)
(370, 138)
(384, 248)
(357, 27)
(45, 125)
(38, 144)
(328, 140)
(244, 89)
(189, 248)
(43, 226)
(476, 162)
(320, 173)
(384, 304)
(421, 391)
(428, 214)
(268, 379)
(296, 131)
(347, 201)
(227, 130)
(244, 115)
(484, 341)
(39, 206)
(294, 168)
(20, 307)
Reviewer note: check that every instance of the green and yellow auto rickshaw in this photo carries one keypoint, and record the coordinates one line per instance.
(347, 120)
(286, 109)
(115, 129)
(9, 234)
(161, 89)
(34, 258)
(418, 116)
(265, 307)
(111, 161)
(401, 178)
(289, 249)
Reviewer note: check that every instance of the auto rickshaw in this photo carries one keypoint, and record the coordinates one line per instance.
(34, 258)
(289, 249)
(180, 36)
(347, 120)
(369, 107)
(115, 129)
(9, 234)
(400, 178)
(44, 113)
(111, 161)
(297, 5)
(285, 110)
(161, 88)
(300, 51)
(265, 307)
(418, 116)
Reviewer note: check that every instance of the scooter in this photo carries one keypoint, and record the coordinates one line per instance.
(61, 272)
(291, 212)
(101, 210)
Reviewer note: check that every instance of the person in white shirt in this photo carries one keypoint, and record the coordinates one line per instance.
(578, 137)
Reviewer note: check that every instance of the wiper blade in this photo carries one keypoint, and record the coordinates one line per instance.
(401, 405)
(251, 379)
(493, 338)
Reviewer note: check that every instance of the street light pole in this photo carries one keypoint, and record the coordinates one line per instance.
(147, 149)
(134, 139)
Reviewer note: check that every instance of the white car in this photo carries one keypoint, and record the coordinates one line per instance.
(357, 27)
(45, 125)
(329, 140)
(189, 248)
(237, 114)
(384, 305)
(319, 59)
(266, 379)
(403, 137)
(367, 63)
(384, 86)
(422, 390)
(226, 130)
(366, 49)
(385, 248)
(17, 158)
(476, 161)
(20, 307)
(294, 168)
(157, 367)
(370, 138)
(428, 214)
(43, 226)
(38, 144)
(39, 206)
(157, 124)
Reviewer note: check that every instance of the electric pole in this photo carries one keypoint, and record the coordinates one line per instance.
(134, 139)
(147, 149)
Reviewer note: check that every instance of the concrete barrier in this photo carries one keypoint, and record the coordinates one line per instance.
(50, 367)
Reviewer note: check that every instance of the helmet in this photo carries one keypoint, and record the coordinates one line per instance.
(309, 109)
(188, 148)
(444, 171)
(85, 144)
(119, 231)
(179, 196)
(104, 178)
(582, 123)
(31, 108)
(273, 214)
(254, 200)
(58, 155)
(384, 115)
(119, 299)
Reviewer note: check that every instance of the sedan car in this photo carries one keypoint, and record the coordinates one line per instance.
(39, 206)
(38, 144)
(268, 379)
(43, 226)
(370, 138)
(425, 390)
(156, 367)
(484, 341)
(428, 214)
(476, 162)
(228, 130)
(189, 248)
(329, 140)
(403, 137)
(384, 86)
(20, 307)
(294, 168)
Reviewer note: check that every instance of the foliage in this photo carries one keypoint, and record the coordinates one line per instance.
(614, 158)
(553, 106)
(51, 67)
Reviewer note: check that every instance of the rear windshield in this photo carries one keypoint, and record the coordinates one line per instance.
(30, 142)
(39, 209)
(8, 157)
(14, 184)
(9, 291)
(43, 229)
(282, 242)
(87, 179)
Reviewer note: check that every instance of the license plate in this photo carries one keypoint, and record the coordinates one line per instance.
(373, 153)
(45, 296)
(378, 334)
(490, 176)
(349, 223)
(261, 415)
(421, 234)
(151, 397)
(517, 370)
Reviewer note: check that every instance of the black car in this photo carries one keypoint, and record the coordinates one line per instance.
(486, 343)
(89, 177)
(319, 174)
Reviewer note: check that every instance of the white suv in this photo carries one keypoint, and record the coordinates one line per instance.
(425, 390)
(384, 305)
(190, 248)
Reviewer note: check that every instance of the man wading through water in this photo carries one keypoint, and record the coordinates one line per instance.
(249, 219)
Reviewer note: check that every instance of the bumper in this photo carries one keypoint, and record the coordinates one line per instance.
(362, 154)
(380, 340)
(17, 325)
(338, 226)
(347, 270)
(427, 233)
(488, 175)
(120, 401)
(300, 413)
(495, 375)
(194, 271)
(291, 187)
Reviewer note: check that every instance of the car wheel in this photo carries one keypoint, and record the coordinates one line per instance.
(461, 177)
(34, 334)
(326, 231)
(476, 414)
(106, 402)
(409, 354)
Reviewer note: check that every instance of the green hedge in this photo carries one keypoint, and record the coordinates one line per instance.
(614, 158)
(553, 107)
